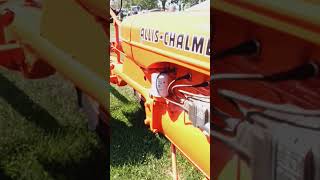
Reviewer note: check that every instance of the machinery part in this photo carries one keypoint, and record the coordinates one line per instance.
(151, 47)
(96, 7)
(82, 76)
(15, 56)
(73, 39)
(290, 109)
(115, 11)
(189, 140)
(164, 41)
(6, 19)
(290, 152)
(174, 162)
(91, 109)
(33, 3)
(97, 117)
(199, 113)
(304, 71)
(187, 76)
(248, 48)
(288, 136)
(230, 124)
(232, 143)
(281, 119)
(159, 84)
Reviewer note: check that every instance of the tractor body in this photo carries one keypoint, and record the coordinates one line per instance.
(165, 57)
(275, 40)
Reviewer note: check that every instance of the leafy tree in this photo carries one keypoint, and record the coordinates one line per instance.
(188, 2)
(145, 4)
(148, 4)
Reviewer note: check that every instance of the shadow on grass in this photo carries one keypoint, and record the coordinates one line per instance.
(22, 103)
(131, 145)
(3, 176)
(118, 95)
(93, 162)
(95, 166)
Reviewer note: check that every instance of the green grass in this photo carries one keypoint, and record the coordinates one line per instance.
(43, 134)
(135, 152)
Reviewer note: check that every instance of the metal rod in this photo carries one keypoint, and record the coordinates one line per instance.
(174, 162)
(248, 48)
(267, 105)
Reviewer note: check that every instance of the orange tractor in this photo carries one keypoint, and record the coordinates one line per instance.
(266, 108)
(39, 38)
(167, 61)
(265, 114)
(168, 65)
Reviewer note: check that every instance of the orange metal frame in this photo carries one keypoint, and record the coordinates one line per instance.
(12, 55)
(162, 117)
(281, 51)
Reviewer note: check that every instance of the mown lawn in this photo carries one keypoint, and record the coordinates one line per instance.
(43, 134)
(135, 152)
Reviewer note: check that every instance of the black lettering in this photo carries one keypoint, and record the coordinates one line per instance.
(146, 35)
(142, 33)
(172, 38)
(187, 47)
(156, 35)
(197, 46)
(165, 38)
(180, 41)
(208, 48)
(149, 35)
(152, 34)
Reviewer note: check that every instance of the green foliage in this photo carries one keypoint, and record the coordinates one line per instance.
(43, 134)
(145, 4)
(148, 4)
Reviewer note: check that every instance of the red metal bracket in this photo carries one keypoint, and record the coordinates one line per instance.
(12, 55)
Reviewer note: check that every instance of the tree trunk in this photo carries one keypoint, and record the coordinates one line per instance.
(163, 4)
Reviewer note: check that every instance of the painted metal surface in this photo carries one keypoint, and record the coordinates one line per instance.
(146, 52)
(287, 39)
(36, 29)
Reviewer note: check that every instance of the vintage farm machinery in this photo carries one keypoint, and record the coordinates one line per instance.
(168, 65)
(165, 57)
(266, 108)
(41, 37)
